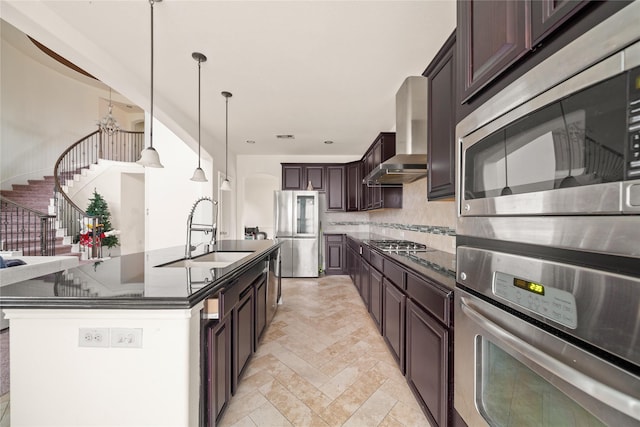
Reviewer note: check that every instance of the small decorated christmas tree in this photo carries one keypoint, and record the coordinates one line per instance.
(98, 207)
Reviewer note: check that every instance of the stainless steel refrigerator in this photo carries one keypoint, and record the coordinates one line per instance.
(297, 226)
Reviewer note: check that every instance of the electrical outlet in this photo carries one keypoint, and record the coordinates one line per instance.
(126, 337)
(93, 337)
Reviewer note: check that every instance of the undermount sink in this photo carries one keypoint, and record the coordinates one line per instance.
(210, 260)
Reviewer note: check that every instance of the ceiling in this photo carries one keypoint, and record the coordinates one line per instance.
(318, 70)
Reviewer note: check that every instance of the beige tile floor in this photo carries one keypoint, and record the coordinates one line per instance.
(5, 420)
(322, 362)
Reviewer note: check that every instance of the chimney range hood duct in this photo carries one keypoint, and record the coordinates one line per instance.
(410, 161)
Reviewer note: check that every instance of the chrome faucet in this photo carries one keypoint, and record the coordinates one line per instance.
(204, 227)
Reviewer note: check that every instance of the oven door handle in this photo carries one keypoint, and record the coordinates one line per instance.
(609, 396)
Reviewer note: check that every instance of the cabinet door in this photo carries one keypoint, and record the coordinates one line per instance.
(428, 362)
(219, 370)
(375, 297)
(354, 182)
(261, 307)
(547, 15)
(393, 321)
(441, 123)
(314, 174)
(292, 177)
(376, 191)
(493, 34)
(335, 188)
(334, 258)
(365, 286)
(244, 337)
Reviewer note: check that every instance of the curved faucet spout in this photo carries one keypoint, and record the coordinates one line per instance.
(203, 226)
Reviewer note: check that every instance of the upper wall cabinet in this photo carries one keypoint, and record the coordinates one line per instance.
(495, 34)
(297, 176)
(547, 15)
(441, 108)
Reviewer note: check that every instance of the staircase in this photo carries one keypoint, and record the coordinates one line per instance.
(37, 196)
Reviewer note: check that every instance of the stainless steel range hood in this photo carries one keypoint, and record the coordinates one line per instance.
(410, 161)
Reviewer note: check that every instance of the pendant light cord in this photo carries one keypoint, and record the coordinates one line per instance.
(226, 139)
(199, 61)
(151, 2)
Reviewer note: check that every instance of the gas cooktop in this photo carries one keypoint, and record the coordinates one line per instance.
(399, 246)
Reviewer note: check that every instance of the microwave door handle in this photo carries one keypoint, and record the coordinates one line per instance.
(602, 392)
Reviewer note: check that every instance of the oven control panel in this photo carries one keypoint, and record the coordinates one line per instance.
(549, 302)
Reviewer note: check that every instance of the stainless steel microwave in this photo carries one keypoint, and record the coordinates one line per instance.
(572, 149)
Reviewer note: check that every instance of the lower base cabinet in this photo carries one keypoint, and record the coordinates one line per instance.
(393, 318)
(375, 297)
(261, 308)
(414, 315)
(243, 335)
(218, 361)
(428, 353)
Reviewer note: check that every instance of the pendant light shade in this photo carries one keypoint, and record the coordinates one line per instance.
(149, 156)
(198, 174)
(226, 185)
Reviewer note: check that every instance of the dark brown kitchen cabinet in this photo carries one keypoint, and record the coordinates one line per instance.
(298, 176)
(548, 15)
(441, 107)
(375, 297)
(218, 362)
(495, 34)
(492, 35)
(314, 174)
(354, 185)
(334, 254)
(353, 264)
(365, 282)
(375, 196)
(260, 298)
(335, 188)
(393, 321)
(292, 177)
(243, 335)
(428, 363)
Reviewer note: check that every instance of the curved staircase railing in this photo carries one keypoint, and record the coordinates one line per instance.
(123, 146)
(26, 230)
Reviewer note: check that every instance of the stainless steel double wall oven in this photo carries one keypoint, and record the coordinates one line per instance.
(547, 301)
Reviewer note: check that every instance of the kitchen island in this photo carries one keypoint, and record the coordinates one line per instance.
(123, 341)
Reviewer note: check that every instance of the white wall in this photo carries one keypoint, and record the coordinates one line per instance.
(43, 113)
(170, 193)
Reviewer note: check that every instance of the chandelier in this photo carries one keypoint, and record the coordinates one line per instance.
(108, 124)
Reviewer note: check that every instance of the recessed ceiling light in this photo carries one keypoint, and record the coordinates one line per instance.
(328, 142)
(250, 141)
(285, 136)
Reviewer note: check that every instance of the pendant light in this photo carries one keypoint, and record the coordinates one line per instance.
(198, 174)
(149, 156)
(226, 185)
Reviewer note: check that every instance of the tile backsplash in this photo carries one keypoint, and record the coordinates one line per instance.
(431, 223)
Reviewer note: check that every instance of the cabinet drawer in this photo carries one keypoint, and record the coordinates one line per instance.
(394, 273)
(334, 238)
(376, 260)
(434, 300)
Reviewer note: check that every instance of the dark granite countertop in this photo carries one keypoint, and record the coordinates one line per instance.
(134, 281)
(436, 265)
